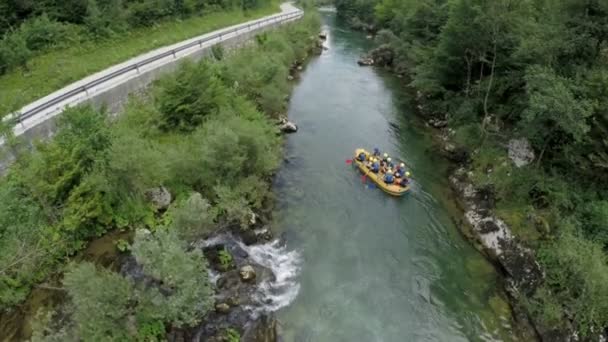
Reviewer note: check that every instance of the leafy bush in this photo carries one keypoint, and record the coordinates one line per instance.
(189, 96)
(13, 51)
(232, 335)
(194, 217)
(225, 259)
(102, 302)
(164, 257)
(577, 270)
(41, 33)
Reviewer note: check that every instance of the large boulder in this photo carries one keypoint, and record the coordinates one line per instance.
(247, 273)
(520, 152)
(366, 61)
(159, 197)
(288, 126)
(383, 55)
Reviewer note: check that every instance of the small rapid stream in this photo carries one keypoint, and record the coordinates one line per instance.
(374, 268)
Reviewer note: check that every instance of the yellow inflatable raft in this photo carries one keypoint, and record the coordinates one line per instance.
(378, 178)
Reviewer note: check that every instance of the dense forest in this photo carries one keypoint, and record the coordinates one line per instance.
(206, 134)
(30, 27)
(498, 69)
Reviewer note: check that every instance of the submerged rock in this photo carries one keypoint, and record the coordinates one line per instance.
(159, 197)
(323, 35)
(366, 61)
(520, 152)
(287, 126)
(264, 329)
(247, 273)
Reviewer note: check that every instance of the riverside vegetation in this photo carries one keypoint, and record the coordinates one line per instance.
(206, 133)
(499, 69)
(47, 44)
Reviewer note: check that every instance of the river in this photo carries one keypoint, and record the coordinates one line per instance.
(374, 268)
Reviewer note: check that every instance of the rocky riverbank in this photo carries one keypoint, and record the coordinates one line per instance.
(492, 236)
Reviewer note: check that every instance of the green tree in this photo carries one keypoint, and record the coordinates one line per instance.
(13, 51)
(194, 217)
(186, 98)
(180, 272)
(578, 271)
(102, 303)
(553, 109)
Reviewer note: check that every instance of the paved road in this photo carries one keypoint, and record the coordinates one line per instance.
(46, 114)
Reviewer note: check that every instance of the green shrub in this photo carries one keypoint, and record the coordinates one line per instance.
(577, 271)
(232, 335)
(189, 96)
(13, 51)
(225, 259)
(41, 33)
(102, 303)
(194, 217)
(164, 257)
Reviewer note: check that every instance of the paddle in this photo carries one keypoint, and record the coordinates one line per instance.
(349, 161)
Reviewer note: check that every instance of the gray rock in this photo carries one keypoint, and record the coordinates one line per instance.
(160, 197)
(323, 35)
(438, 123)
(290, 78)
(288, 127)
(520, 152)
(247, 273)
(222, 308)
(365, 61)
(264, 329)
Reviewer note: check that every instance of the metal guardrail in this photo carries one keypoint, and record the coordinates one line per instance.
(20, 117)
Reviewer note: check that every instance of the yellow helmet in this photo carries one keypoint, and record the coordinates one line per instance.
(402, 165)
(407, 174)
(390, 172)
(386, 155)
(388, 160)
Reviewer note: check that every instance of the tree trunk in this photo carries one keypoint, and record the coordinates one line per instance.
(489, 89)
(481, 59)
(469, 61)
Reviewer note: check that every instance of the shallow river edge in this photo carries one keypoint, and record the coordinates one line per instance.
(489, 234)
(478, 223)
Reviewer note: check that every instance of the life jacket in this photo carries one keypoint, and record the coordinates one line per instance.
(389, 179)
(361, 156)
(375, 167)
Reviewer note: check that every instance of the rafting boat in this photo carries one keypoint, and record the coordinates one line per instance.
(378, 178)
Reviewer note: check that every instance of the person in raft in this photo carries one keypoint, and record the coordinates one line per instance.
(376, 152)
(384, 159)
(388, 177)
(375, 167)
(400, 170)
(405, 181)
(362, 157)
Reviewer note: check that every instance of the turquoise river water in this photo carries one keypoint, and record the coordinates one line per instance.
(373, 267)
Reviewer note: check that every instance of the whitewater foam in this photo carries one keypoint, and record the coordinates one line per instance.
(278, 292)
(275, 292)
